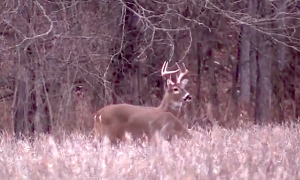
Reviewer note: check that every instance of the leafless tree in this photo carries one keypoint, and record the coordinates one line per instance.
(60, 61)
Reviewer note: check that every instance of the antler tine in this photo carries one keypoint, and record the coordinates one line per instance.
(163, 68)
(164, 71)
(183, 72)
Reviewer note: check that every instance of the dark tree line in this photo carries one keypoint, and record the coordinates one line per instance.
(63, 60)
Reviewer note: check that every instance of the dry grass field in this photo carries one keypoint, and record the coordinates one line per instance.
(255, 153)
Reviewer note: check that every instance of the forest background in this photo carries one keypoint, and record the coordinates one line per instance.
(61, 61)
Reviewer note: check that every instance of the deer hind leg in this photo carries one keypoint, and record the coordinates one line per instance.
(103, 131)
(114, 132)
(99, 129)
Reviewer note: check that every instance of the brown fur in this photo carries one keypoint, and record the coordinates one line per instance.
(165, 123)
(115, 120)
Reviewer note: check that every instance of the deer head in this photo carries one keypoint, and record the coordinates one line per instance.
(175, 92)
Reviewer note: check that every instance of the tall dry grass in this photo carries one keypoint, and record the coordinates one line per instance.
(254, 153)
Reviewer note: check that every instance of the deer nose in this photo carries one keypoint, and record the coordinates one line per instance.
(187, 98)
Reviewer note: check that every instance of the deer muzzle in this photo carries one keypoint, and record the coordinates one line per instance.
(187, 98)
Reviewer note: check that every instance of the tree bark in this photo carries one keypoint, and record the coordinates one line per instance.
(199, 75)
(264, 84)
(19, 108)
(296, 57)
(281, 64)
(253, 53)
(281, 55)
(253, 65)
(22, 102)
(213, 104)
(246, 60)
(244, 67)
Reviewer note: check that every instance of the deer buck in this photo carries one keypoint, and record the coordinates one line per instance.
(115, 120)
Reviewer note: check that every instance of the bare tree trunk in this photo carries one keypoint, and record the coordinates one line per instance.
(233, 101)
(280, 64)
(21, 103)
(138, 79)
(199, 74)
(40, 119)
(297, 84)
(253, 53)
(18, 109)
(213, 104)
(253, 65)
(282, 60)
(49, 105)
(246, 59)
(278, 87)
(244, 67)
(264, 84)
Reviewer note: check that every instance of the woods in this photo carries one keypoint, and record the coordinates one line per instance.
(61, 61)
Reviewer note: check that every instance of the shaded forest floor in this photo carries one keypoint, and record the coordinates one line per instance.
(254, 153)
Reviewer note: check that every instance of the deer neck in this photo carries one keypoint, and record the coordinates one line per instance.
(169, 105)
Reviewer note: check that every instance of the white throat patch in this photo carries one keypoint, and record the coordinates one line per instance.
(176, 105)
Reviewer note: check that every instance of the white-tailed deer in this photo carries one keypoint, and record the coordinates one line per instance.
(115, 120)
(146, 123)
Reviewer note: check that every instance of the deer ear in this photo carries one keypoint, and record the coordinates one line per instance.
(184, 82)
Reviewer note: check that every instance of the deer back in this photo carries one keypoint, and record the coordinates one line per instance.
(111, 120)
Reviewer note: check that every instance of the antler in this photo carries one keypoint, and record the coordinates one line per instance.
(164, 71)
(183, 72)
